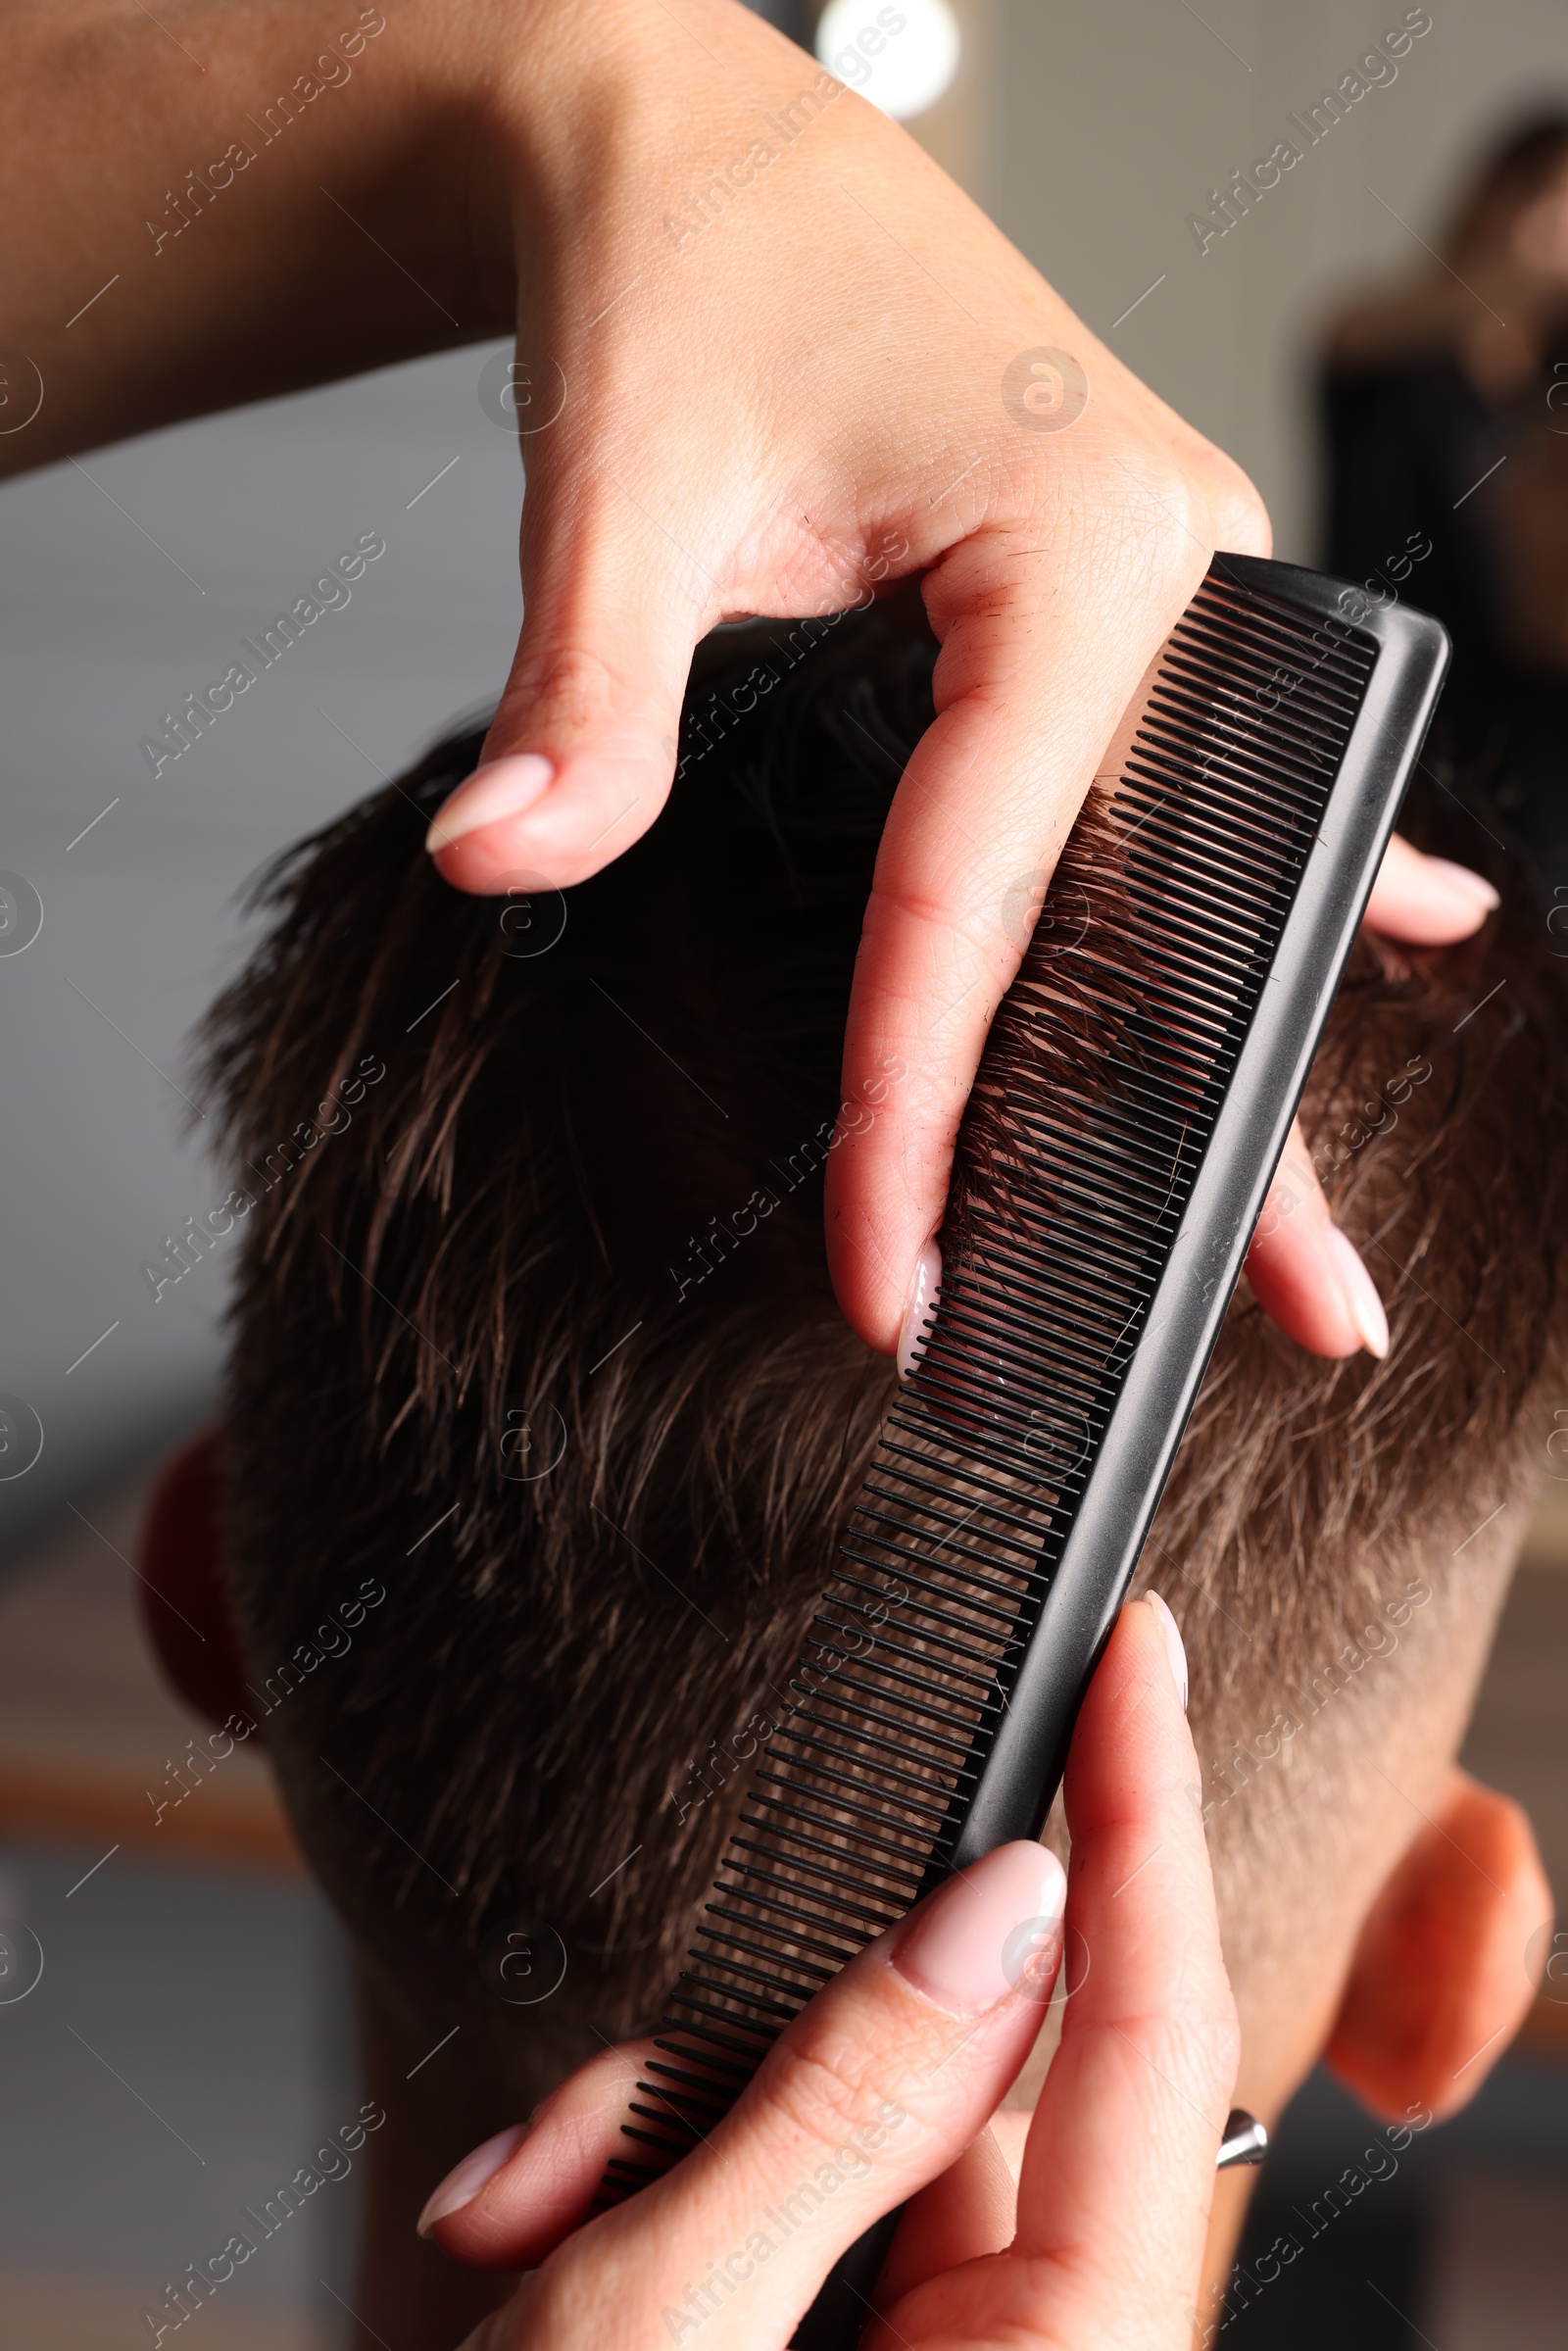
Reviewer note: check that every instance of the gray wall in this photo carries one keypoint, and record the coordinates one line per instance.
(1118, 118)
(127, 585)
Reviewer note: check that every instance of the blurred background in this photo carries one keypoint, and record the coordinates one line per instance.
(185, 2046)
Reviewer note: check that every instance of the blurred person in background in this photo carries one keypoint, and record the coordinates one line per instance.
(1445, 406)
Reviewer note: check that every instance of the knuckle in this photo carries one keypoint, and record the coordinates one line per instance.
(1187, 497)
(1235, 516)
(925, 901)
(578, 687)
(822, 2086)
(1194, 2058)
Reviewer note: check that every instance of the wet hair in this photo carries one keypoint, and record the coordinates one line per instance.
(539, 1336)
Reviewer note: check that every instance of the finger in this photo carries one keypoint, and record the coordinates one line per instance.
(514, 2199)
(1047, 623)
(581, 755)
(1119, 2168)
(970, 2211)
(1307, 1275)
(876, 2089)
(1426, 901)
(1118, 2171)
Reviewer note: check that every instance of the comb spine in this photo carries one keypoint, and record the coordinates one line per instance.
(1025, 1753)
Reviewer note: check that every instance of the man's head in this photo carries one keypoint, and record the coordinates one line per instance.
(534, 1331)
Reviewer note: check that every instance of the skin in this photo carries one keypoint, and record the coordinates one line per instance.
(1380, 1909)
(1377, 1904)
(1119, 2167)
(1091, 2217)
(741, 430)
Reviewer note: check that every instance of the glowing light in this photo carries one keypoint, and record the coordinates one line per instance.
(903, 55)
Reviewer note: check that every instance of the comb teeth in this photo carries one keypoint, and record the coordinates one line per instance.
(1105, 1068)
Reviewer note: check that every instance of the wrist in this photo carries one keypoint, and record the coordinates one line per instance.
(586, 124)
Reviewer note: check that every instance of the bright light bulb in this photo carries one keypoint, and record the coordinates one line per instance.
(901, 54)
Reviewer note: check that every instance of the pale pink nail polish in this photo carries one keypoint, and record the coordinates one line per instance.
(1359, 1292)
(979, 1936)
(1474, 885)
(463, 2183)
(506, 788)
(925, 1287)
(1175, 1647)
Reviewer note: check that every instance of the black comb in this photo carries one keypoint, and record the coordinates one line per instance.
(1130, 1108)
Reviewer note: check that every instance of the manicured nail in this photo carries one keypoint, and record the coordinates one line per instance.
(925, 1287)
(1474, 885)
(1175, 1649)
(1360, 1294)
(490, 794)
(985, 1932)
(462, 2184)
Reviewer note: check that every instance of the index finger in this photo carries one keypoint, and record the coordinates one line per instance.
(1048, 614)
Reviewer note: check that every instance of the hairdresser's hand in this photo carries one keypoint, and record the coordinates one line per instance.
(1303, 1270)
(822, 376)
(792, 363)
(884, 2086)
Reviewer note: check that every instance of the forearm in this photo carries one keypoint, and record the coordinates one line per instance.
(236, 201)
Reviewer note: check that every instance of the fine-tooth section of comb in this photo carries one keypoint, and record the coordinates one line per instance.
(1130, 1102)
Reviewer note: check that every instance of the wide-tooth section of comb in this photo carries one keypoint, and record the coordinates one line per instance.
(1100, 1082)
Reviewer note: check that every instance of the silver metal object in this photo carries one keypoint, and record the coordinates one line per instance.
(1245, 2142)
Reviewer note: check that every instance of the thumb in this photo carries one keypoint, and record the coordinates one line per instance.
(581, 753)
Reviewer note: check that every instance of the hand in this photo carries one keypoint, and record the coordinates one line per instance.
(881, 2089)
(784, 341)
(1302, 1269)
(744, 433)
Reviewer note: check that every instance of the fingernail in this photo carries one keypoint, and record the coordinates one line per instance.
(490, 794)
(1360, 1294)
(980, 1937)
(1175, 1649)
(462, 2184)
(925, 1287)
(1474, 885)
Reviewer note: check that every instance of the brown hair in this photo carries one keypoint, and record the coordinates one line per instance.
(543, 1339)
(1509, 175)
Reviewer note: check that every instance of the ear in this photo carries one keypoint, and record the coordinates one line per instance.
(1443, 1970)
(184, 1605)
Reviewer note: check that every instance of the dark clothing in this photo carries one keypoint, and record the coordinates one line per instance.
(1411, 446)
